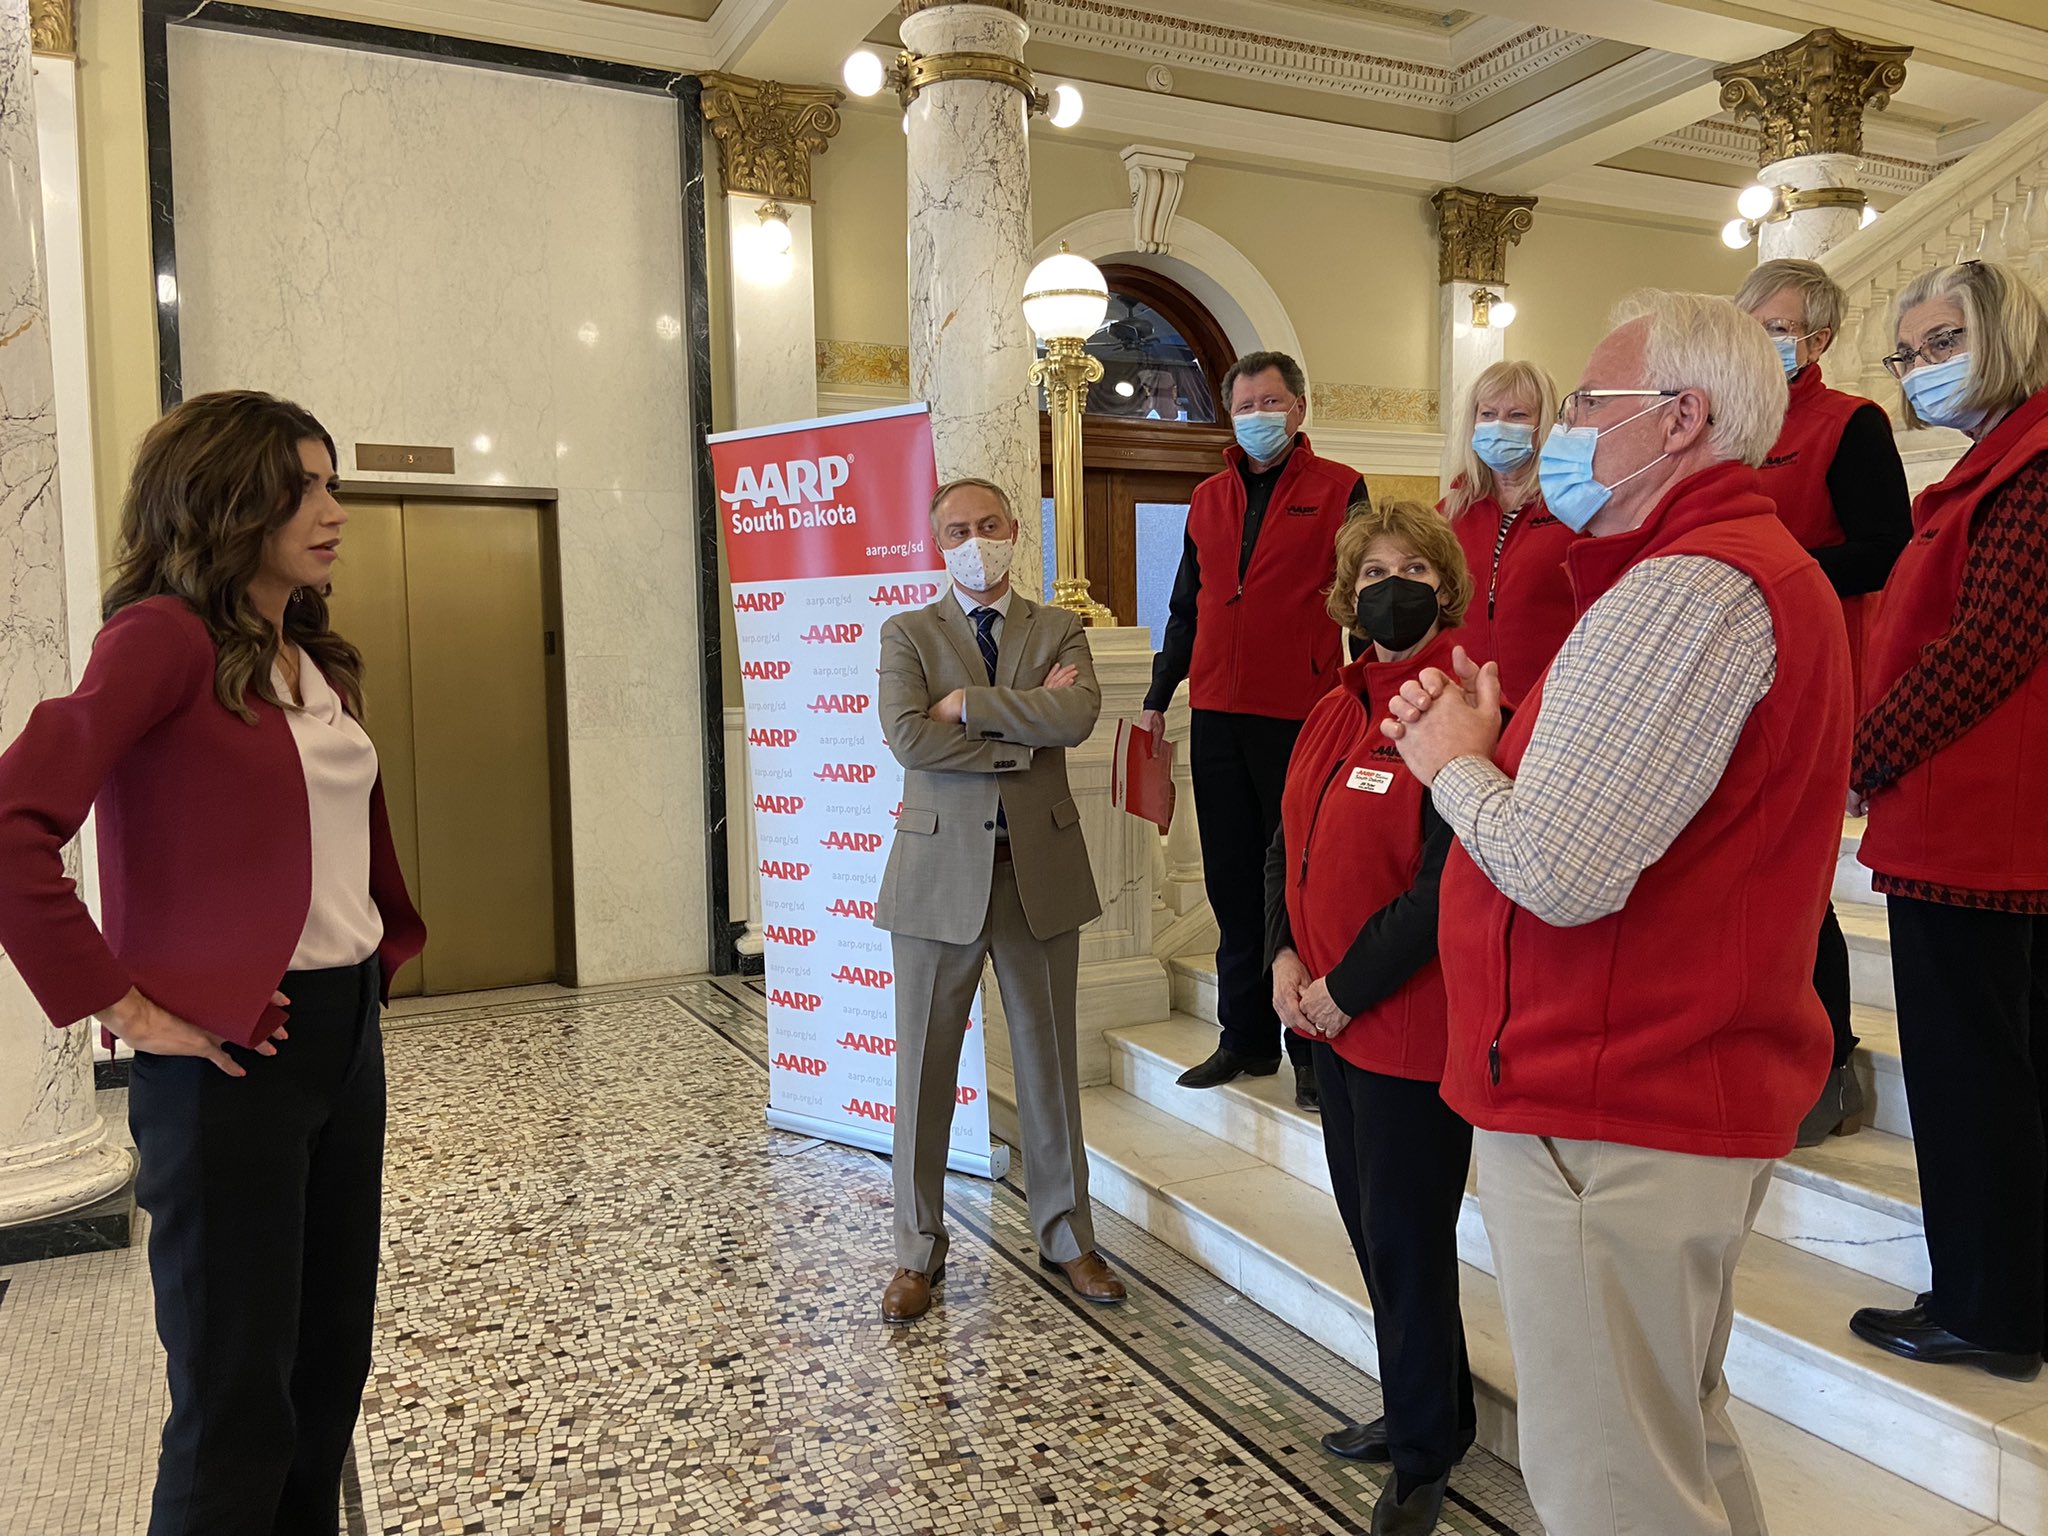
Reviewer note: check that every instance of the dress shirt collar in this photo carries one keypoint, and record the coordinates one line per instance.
(968, 604)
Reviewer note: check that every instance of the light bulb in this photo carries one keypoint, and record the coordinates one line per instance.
(1503, 312)
(776, 239)
(864, 72)
(1735, 234)
(1869, 217)
(1126, 388)
(1066, 107)
(1755, 201)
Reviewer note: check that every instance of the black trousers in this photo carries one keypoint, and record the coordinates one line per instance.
(1831, 981)
(1239, 763)
(1398, 1158)
(264, 1195)
(1973, 1042)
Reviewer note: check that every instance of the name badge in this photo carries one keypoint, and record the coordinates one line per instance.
(1374, 781)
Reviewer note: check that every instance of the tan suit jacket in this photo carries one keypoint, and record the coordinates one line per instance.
(1011, 752)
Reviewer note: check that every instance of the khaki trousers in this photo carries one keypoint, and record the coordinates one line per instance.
(1617, 1270)
(935, 985)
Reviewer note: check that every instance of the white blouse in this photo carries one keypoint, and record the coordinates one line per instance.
(343, 926)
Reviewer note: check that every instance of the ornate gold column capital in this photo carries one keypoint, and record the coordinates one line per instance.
(768, 131)
(53, 27)
(1014, 7)
(1809, 96)
(1474, 231)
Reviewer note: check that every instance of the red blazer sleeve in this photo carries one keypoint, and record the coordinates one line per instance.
(145, 667)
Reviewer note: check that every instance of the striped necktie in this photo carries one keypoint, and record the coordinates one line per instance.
(985, 637)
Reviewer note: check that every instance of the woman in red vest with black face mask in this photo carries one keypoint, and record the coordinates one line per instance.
(1522, 605)
(1351, 912)
(1836, 477)
(1952, 757)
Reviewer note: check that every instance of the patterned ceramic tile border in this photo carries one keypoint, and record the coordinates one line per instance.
(1374, 403)
(863, 362)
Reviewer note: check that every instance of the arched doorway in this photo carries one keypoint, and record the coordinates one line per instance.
(1154, 430)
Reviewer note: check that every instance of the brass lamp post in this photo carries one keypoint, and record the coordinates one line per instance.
(1065, 300)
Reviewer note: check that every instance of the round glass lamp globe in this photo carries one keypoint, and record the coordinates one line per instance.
(1503, 313)
(1735, 234)
(864, 72)
(1755, 201)
(1065, 298)
(1066, 107)
(776, 238)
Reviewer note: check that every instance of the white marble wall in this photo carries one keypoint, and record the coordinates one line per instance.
(55, 1154)
(774, 317)
(970, 251)
(1811, 232)
(423, 252)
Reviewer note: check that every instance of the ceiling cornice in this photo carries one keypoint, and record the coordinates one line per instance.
(1741, 144)
(1154, 37)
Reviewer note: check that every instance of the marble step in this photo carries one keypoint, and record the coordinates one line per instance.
(1870, 954)
(1855, 1200)
(1193, 979)
(1278, 1241)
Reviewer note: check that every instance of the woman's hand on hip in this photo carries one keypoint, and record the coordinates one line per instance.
(148, 1027)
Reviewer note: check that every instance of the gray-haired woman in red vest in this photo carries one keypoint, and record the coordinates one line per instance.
(1840, 487)
(1952, 758)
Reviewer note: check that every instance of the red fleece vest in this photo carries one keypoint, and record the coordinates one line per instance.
(1522, 606)
(1352, 818)
(1265, 645)
(1687, 1021)
(1975, 814)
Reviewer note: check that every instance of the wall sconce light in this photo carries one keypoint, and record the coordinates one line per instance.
(776, 238)
(1758, 205)
(1491, 311)
(866, 74)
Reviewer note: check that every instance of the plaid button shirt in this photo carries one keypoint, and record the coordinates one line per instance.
(1640, 714)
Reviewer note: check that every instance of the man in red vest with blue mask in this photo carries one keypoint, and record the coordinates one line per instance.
(1248, 629)
(1627, 925)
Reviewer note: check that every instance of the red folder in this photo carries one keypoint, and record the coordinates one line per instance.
(1141, 776)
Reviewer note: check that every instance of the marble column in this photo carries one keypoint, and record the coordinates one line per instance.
(970, 251)
(1474, 231)
(56, 1157)
(1809, 98)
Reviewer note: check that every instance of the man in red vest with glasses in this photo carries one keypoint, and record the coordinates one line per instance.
(1248, 629)
(1627, 925)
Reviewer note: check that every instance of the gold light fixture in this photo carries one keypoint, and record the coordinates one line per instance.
(866, 74)
(1757, 205)
(1065, 301)
(1491, 311)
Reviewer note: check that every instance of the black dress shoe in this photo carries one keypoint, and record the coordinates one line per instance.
(1912, 1335)
(1306, 1094)
(1225, 1066)
(1359, 1442)
(1414, 1516)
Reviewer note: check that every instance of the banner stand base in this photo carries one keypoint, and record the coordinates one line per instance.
(992, 1164)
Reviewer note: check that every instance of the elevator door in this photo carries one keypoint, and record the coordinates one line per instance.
(449, 604)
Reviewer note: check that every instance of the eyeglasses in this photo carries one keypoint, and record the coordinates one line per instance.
(1778, 330)
(1938, 348)
(1580, 401)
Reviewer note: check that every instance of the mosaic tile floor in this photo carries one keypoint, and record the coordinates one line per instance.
(613, 1301)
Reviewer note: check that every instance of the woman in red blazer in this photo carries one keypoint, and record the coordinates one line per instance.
(1351, 929)
(248, 877)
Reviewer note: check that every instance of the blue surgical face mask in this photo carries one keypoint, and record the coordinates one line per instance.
(1565, 472)
(1262, 434)
(1935, 392)
(1788, 353)
(1504, 446)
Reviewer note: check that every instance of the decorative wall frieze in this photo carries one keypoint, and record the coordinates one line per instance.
(1158, 177)
(53, 27)
(866, 363)
(1373, 403)
(1159, 38)
(768, 131)
(1474, 231)
(1810, 96)
(1728, 143)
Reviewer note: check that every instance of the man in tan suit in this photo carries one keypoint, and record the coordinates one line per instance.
(981, 693)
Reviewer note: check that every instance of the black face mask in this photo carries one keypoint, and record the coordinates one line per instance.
(1397, 612)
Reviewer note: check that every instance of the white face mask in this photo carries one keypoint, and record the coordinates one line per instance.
(979, 564)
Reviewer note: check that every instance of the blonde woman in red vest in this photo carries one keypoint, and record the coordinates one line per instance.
(1953, 760)
(1351, 921)
(1522, 604)
(1836, 477)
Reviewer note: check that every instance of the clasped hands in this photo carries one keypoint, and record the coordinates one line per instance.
(952, 709)
(1303, 1003)
(1437, 718)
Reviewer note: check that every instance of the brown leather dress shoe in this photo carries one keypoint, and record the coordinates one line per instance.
(909, 1295)
(1091, 1279)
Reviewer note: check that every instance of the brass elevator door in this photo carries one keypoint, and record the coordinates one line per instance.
(448, 603)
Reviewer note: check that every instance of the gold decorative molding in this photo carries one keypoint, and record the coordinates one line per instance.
(768, 131)
(1014, 7)
(1474, 231)
(1810, 95)
(867, 363)
(1360, 404)
(53, 27)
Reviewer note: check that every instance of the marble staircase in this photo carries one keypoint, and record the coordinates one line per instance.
(1846, 1438)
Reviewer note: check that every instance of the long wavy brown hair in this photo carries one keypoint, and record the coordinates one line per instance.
(213, 479)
